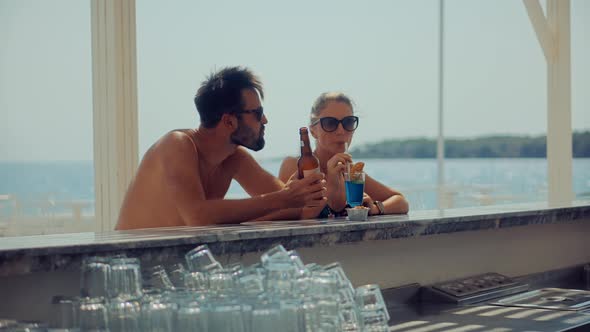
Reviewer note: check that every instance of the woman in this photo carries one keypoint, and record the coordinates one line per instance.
(332, 125)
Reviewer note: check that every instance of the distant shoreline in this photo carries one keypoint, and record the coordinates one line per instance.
(478, 147)
(483, 147)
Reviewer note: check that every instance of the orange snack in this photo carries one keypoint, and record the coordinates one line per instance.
(357, 167)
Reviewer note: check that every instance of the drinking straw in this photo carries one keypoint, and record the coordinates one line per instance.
(347, 163)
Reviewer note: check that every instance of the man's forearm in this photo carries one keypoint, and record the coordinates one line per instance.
(336, 197)
(285, 214)
(233, 211)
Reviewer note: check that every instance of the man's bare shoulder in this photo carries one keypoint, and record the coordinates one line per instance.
(176, 136)
(176, 144)
(240, 158)
(240, 155)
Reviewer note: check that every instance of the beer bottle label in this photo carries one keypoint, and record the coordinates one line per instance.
(310, 171)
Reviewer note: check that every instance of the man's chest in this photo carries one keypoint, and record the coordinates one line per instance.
(216, 184)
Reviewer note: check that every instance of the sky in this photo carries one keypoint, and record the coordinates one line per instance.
(383, 53)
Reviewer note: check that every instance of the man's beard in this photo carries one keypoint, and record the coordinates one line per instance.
(245, 137)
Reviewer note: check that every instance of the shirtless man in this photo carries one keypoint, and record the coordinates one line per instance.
(184, 176)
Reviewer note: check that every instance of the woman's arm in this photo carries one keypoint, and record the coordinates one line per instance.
(393, 201)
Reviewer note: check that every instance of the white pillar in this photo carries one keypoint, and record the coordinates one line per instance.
(553, 34)
(114, 88)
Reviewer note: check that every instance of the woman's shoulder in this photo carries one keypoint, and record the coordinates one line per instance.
(288, 166)
(290, 160)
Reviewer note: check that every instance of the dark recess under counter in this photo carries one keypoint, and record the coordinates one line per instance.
(410, 311)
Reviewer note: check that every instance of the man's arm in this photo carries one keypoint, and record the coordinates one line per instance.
(251, 176)
(287, 170)
(307, 212)
(183, 182)
(311, 210)
(255, 180)
(249, 169)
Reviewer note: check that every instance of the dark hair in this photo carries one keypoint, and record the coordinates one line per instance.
(221, 93)
(326, 97)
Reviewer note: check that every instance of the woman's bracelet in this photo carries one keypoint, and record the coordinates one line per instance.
(380, 206)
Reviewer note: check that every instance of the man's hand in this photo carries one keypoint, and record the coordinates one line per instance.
(309, 191)
(313, 209)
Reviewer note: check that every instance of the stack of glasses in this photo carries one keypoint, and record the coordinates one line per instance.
(278, 294)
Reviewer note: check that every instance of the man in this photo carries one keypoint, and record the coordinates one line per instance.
(184, 176)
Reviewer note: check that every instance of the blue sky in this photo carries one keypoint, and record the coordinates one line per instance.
(382, 53)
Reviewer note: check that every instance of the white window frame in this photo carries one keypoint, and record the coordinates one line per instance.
(114, 77)
(114, 90)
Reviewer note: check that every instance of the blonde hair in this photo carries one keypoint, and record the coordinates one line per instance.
(326, 97)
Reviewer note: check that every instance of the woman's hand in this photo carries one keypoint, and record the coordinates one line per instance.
(368, 202)
(336, 190)
(337, 165)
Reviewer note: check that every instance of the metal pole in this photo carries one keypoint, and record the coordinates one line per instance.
(440, 146)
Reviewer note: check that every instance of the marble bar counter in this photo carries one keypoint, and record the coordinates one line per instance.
(22, 255)
(423, 247)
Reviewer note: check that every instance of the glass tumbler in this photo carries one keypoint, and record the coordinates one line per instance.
(201, 259)
(94, 277)
(93, 315)
(125, 278)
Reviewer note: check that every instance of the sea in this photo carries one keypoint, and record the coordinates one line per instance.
(468, 182)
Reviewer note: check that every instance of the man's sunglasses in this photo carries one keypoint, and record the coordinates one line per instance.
(258, 112)
(330, 124)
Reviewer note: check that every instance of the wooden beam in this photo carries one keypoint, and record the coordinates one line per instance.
(559, 118)
(553, 34)
(541, 27)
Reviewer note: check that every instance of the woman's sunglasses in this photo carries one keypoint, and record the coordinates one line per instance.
(330, 124)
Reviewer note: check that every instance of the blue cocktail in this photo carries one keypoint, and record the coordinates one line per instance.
(355, 186)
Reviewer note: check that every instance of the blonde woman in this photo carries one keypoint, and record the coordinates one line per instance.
(332, 125)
